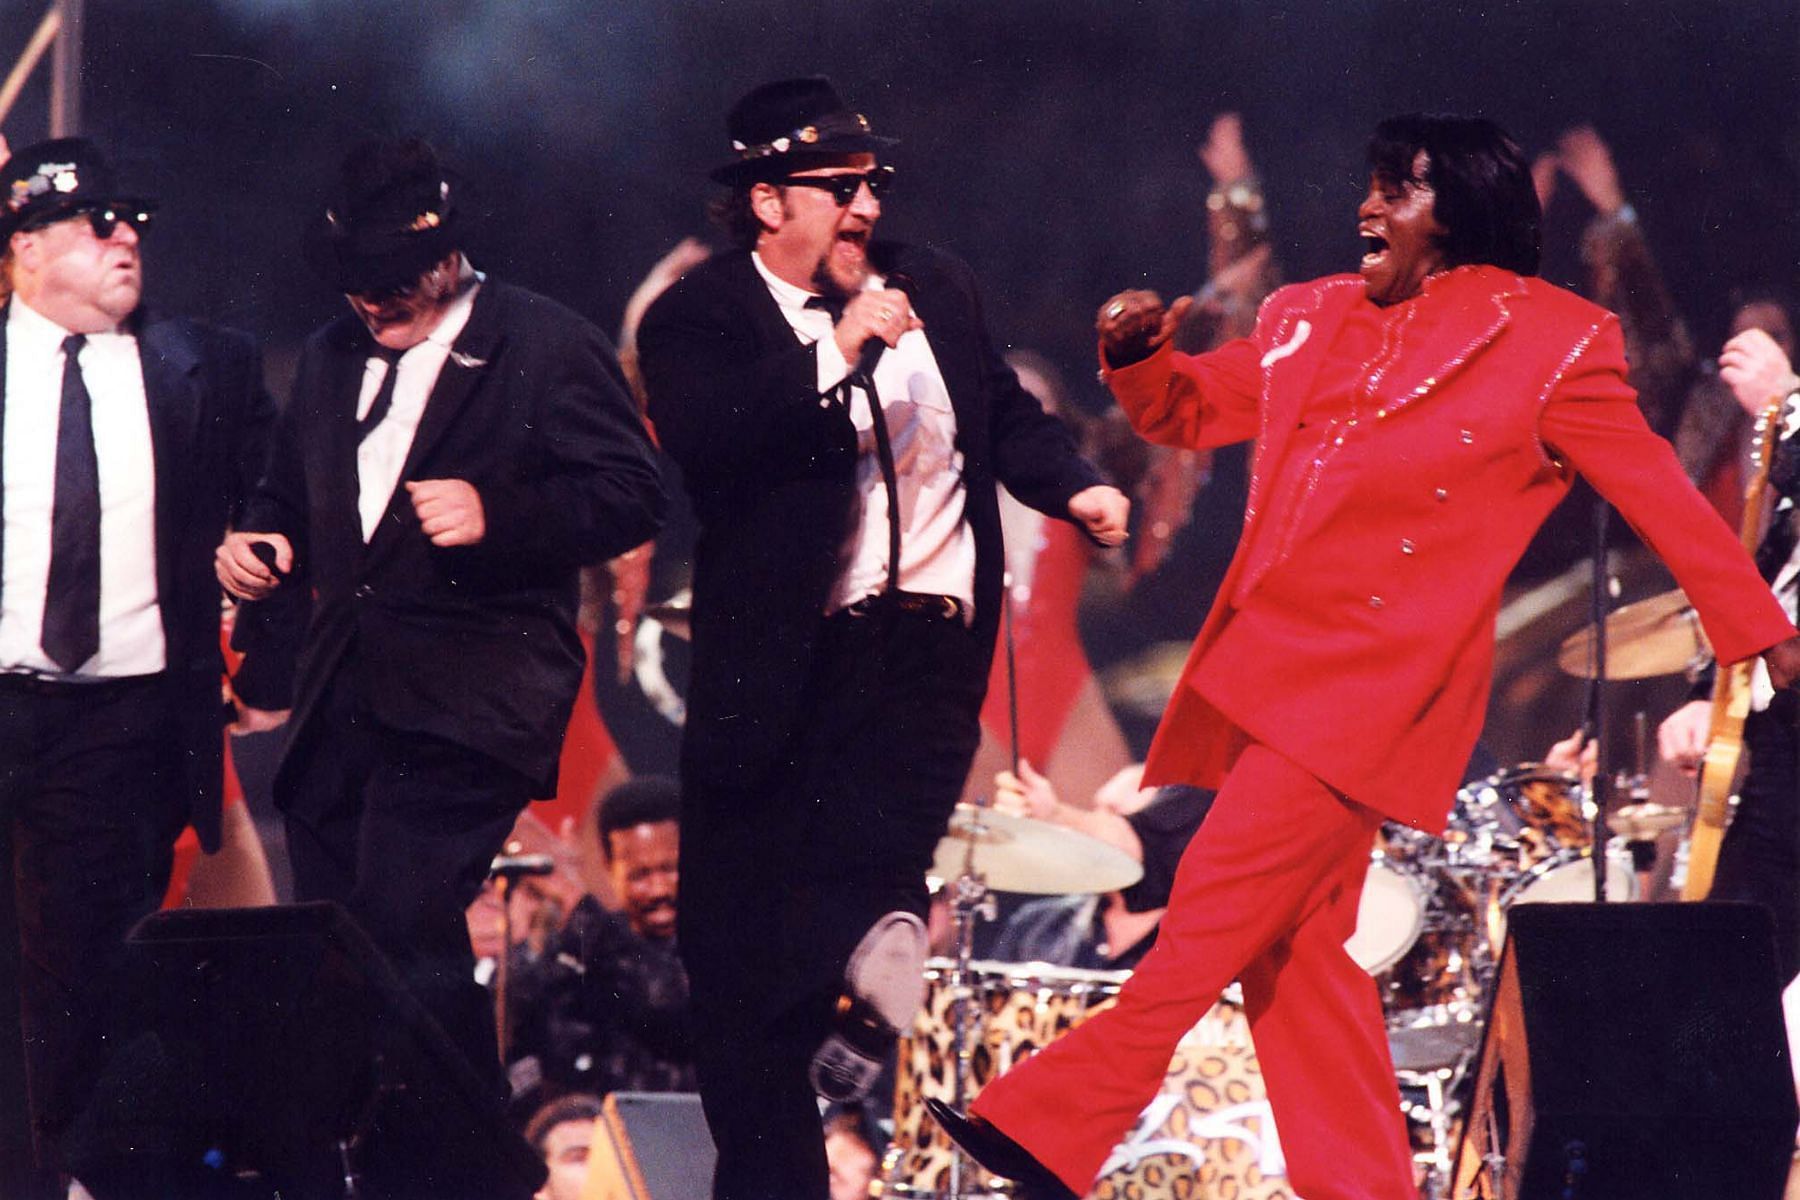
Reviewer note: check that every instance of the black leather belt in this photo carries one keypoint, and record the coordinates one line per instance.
(916, 604)
(44, 683)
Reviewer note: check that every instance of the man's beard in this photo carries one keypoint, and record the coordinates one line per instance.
(829, 283)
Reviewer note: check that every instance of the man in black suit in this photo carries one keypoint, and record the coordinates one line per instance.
(128, 444)
(454, 450)
(840, 657)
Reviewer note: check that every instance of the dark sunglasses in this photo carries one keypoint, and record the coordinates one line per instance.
(103, 219)
(843, 188)
(388, 293)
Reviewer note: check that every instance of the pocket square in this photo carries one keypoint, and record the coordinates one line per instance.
(1302, 331)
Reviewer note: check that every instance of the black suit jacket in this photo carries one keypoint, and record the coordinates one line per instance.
(210, 417)
(473, 644)
(734, 397)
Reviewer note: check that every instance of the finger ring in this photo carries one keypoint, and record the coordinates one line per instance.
(1116, 309)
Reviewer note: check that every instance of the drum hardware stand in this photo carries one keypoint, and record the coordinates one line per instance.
(1443, 1088)
(969, 899)
(1642, 820)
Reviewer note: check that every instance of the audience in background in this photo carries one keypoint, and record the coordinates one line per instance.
(562, 1131)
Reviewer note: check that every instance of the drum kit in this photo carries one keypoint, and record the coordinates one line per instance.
(1429, 930)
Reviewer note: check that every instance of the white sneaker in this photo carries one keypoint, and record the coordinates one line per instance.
(884, 987)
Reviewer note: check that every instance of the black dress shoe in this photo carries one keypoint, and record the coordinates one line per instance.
(999, 1153)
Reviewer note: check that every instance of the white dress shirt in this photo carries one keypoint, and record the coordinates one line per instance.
(937, 547)
(382, 455)
(131, 632)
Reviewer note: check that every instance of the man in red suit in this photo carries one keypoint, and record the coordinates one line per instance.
(1413, 428)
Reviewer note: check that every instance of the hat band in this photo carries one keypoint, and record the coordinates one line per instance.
(832, 125)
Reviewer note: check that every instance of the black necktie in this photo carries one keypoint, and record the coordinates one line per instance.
(884, 447)
(72, 594)
(384, 394)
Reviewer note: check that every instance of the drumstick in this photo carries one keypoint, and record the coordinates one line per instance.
(40, 41)
(1012, 680)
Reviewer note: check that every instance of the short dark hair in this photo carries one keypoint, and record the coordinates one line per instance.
(644, 801)
(576, 1106)
(735, 217)
(1484, 197)
(1743, 295)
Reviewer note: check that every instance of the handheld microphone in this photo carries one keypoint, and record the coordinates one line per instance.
(518, 866)
(265, 554)
(874, 348)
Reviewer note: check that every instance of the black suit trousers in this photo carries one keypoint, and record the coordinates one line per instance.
(780, 881)
(92, 798)
(400, 828)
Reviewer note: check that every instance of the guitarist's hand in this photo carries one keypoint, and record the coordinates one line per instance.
(1681, 738)
(1784, 662)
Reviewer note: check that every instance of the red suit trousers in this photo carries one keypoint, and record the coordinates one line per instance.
(1266, 894)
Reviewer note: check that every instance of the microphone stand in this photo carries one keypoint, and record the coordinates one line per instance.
(506, 871)
(1595, 720)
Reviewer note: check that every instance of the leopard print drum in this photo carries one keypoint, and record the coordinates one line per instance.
(1207, 1136)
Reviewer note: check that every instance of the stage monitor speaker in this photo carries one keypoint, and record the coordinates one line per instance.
(650, 1146)
(1633, 1052)
(278, 1045)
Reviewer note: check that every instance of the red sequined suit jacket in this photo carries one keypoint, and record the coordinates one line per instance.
(1354, 632)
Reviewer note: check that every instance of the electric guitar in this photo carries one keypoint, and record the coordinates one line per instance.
(1731, 695)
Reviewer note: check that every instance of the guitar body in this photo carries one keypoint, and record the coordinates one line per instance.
(1718, 775)
(1730, 699)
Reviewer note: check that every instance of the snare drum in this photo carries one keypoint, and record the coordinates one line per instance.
(1020, 1009)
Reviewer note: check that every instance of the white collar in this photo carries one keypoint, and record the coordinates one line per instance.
(456, 319)
(788, 295)
(28, 322)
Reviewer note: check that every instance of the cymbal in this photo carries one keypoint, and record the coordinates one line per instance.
(1642, 822)
(1019, 854)
(676, 615)
(1658, 636)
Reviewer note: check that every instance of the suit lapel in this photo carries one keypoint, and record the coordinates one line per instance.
(336, 477)
(747, 282)
(170, 362)
(1472, 312)
(1288, 367)
(464, 369)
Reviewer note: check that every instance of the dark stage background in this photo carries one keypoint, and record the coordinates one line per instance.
(1050, 143)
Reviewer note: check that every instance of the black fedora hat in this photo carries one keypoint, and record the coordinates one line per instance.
(393, 214)
(790, 125)
(48, 181)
